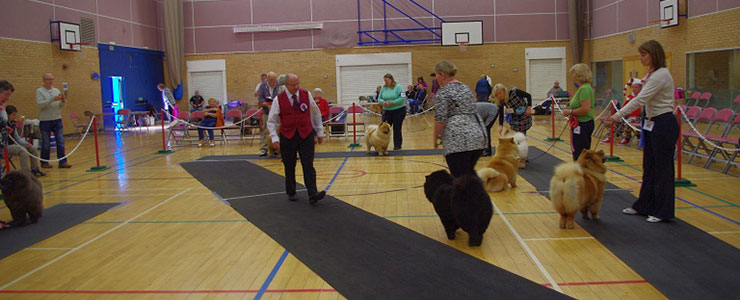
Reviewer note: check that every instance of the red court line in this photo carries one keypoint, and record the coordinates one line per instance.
(599, 282)
(255, 291)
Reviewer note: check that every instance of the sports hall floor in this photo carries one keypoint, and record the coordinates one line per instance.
(171, 238)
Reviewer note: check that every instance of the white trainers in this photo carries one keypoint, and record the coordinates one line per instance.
(629, 211)
(652, 219)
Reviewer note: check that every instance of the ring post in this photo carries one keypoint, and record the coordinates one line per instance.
(611, 156)
(7, 159)
(354, 128)
(552, 117)
(97, 167)
(164, 142)
(680, 182)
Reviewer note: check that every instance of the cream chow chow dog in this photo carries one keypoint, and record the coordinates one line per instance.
(378, 137)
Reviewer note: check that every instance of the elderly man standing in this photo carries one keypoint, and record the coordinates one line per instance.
(50, 101)
(300, 130)
(267, 91)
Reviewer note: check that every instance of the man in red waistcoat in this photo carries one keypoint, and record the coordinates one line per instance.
(299, 130)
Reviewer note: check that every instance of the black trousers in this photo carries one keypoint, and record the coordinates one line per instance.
(488, 134)
(581, 141)
(657, 193)
(395, 118)
(288, 150)
(462, 163)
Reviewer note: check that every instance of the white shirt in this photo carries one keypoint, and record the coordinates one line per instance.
(656, 95)
(49, 109)
(274, 116)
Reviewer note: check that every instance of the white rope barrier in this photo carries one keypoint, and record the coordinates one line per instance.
(68, 155)
(623, 119)
(244, 119)
(701, 136)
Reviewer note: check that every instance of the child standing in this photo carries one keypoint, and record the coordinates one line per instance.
(210, 119)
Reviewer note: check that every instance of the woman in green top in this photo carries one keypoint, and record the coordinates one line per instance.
(394, 107)
(581, 107)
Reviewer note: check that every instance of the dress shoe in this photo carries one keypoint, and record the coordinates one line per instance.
(316, 197)
(46, 166)
(292, 198)
(64, 166)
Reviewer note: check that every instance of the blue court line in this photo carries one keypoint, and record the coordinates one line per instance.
(679, 198)
(280, 261)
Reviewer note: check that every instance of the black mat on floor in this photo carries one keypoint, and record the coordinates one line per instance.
(359, 153)
(361, 255)
(680, 260)
(56, 219)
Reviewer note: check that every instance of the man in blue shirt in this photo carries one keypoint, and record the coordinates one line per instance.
(483, 88)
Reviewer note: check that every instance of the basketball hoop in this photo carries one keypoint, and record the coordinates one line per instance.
(463, 46)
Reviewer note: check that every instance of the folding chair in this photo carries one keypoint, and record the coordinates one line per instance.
(78, 123)
(602, 125)
(704, 98)
(736, 104)
(692, 113)
(722, 120)
(340, 122)
(694, 97)
(234, 115)
(124, 119)
(686, 145)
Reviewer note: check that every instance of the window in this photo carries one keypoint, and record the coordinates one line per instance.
(717, 72)
(607, 81)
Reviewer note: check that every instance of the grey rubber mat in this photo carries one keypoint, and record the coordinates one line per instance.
(361, 255)
(678, 259)
(56, 219)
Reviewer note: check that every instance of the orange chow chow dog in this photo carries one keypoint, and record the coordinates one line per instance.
(503, 166)
(579, 186)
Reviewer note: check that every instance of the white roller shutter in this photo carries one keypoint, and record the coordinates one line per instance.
(208, 84)
(542, 74)
(359, 81)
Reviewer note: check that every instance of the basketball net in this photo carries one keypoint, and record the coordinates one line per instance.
(463, 46)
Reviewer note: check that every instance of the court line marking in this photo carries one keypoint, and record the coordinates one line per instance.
(90, 241)
(561, 239)
(724, 232)
(537, 262)
(47, 249)
(613, 282)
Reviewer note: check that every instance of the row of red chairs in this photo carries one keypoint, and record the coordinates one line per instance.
(726, 121)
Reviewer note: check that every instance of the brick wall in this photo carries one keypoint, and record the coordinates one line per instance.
(713, 31)
(316, 68)
(23, 64)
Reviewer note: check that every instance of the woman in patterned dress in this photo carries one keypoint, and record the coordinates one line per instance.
(456, 122)
(516, 102)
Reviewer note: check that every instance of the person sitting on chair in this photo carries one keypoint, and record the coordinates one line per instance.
(211, 116)
(16, 145)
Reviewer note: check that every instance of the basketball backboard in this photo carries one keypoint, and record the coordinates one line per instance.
(668, 13)
(67, 34)
(469, 32)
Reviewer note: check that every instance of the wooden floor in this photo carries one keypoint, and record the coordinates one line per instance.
(171, 238)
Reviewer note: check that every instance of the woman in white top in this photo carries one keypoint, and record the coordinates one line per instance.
(657, 193)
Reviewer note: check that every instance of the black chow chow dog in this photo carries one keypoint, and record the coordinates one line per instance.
(23, 197)
(460, 203)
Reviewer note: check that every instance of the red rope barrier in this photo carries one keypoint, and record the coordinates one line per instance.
(611, 132)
